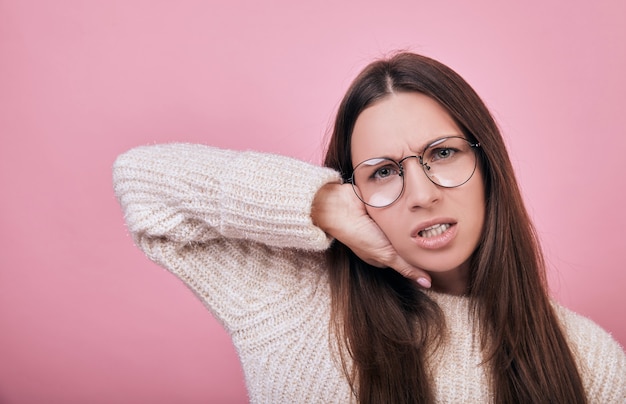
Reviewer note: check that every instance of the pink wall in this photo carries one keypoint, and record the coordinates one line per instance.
(84, 317)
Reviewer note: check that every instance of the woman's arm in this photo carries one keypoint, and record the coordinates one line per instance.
(235, 227)
(194, 193)
(191, 206)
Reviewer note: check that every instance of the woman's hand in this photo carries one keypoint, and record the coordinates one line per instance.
(338, 211)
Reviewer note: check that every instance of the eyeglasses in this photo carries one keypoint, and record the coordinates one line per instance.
(448, 162)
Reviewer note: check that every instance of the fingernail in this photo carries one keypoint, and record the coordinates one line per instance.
(425, 283)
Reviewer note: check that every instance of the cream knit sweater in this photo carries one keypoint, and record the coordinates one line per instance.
(235, 227)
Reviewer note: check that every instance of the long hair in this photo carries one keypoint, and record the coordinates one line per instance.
(386, 326)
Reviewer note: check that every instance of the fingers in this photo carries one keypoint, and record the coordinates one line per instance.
(411, 272)
(387, 257)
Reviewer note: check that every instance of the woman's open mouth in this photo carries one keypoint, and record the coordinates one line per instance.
(434, 230)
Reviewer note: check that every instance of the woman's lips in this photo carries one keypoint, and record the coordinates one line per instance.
(435, 235)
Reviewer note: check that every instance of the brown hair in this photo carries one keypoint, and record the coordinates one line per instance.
(387, 326)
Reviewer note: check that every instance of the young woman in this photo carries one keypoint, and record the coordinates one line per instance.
(405, 271)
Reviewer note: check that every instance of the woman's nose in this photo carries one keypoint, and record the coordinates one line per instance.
(419, 191)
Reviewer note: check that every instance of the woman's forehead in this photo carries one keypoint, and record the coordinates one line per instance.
(398, 124)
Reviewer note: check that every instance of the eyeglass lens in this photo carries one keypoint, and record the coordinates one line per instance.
(448, 162)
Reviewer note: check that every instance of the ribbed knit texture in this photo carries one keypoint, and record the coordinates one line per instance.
(235, 227)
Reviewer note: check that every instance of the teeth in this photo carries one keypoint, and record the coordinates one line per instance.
(435, 230)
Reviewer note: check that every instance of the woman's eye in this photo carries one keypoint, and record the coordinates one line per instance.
(384, 172)
(442, 154)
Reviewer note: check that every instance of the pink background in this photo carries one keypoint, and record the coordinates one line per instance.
(85, 317)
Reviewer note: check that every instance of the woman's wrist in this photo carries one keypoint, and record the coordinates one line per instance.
(323, 207)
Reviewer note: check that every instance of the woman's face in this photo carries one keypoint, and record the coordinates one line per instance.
(431, 227)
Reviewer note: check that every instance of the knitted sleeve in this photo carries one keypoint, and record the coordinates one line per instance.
(601, 360)
(191, 193)
(235, 227)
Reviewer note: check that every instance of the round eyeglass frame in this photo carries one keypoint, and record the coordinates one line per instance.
(425, 167)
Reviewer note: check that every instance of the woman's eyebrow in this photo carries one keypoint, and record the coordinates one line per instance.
(436, 140)
(431, 142)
